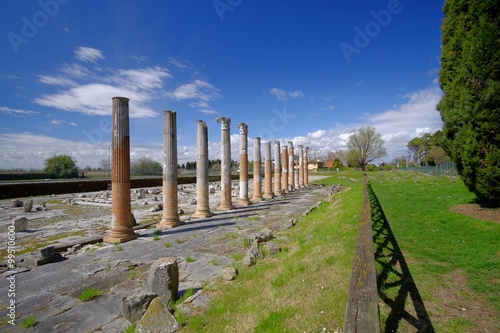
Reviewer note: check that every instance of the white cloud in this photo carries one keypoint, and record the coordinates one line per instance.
(88, 54)
(17, 112)
(73, 124)
(208, 111)
(57, 122)
(94, 98)
(56, 81)
(282, 95)
(198, 90)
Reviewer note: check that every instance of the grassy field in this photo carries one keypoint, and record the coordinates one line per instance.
(437, 270)
(428, 252)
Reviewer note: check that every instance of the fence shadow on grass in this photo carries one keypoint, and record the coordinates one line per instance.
(396, 286)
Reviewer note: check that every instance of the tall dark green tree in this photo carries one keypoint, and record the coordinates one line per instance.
(61, 166)
(470, 79)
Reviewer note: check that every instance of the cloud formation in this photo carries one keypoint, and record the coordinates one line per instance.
(282, 95)
(88, 54)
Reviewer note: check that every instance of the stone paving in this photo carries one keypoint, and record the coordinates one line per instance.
(50, 292)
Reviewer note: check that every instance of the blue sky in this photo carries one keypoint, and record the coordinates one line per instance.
(311, 72)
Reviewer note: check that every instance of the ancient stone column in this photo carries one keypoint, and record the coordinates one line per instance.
(121, 209)
(296, 175)
(301, 166)
(202, 200)
(243, 196)
(306, 166)
(284, 170)
(268, 173)
(291, 177)
(170, 217)
(225, 200)
(277, 168)
(257, 168)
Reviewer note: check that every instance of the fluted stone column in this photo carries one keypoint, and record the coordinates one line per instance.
(268, 175)
(291, 177)
(277, 168)
(243, 195)
(257, 168)
(306, 166)
(170, 217)
(225, 200)
(301, 166)
(202, 195)
(121, 210)
(284, 170)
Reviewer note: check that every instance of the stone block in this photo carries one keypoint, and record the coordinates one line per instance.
(272, 248)
(20, 223)
(157, 319)
(134, 306)
(163, 279)
(229, 273)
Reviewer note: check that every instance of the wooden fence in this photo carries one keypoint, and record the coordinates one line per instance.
(362, 313)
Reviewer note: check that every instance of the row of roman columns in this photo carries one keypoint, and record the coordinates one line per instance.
(288, 176)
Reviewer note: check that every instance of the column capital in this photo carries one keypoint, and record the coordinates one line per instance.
(225, 122)
(290, 143)
(243, 128)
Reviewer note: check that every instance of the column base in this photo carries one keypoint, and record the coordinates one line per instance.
(244, 202)
(225, 207)
(257, 199)
(169, 224)
(202, 214)
(119, 236)
(268, 196)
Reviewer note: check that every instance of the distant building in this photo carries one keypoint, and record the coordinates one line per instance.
(314, 165)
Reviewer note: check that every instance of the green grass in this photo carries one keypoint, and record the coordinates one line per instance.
(29, 321)
(439, 243)
(190, 259)
(302, 289)
(167, 245)
(89, 294)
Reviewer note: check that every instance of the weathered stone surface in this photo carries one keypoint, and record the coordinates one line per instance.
(163, 279)
(229, 273)
(272, 248)
(254, 251)
(261, 237)
(28, 206)
(20, 223)
(133, 220)
(248, 261)
(48, 255)
(46, 252)
(16, 203)
(157, 319)
(134, 306)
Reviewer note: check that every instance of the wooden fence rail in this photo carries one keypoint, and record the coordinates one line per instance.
(362, 313)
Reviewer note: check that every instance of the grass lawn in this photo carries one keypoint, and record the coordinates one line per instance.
(434, 264)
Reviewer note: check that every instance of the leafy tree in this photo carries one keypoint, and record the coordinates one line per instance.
(364, 146)
(146, 166)
(470, 106)
(61, 166)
